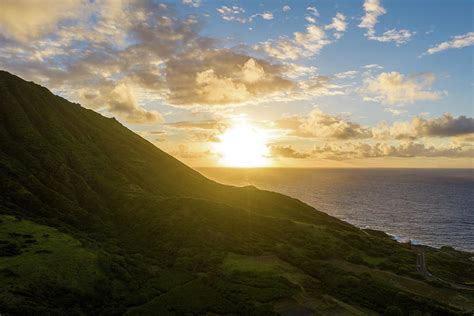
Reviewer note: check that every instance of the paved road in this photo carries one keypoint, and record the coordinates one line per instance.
(421, 268)
(421, 265)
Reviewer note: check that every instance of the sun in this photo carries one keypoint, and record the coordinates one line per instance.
(243, 146)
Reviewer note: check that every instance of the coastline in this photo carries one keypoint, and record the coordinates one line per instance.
(275, 179)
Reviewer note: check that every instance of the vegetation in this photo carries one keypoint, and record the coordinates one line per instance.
(96, 220)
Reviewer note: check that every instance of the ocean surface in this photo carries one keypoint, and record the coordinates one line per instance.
(434, 207)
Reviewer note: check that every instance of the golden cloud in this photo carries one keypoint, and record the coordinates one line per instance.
(393, 87)
(25, 19)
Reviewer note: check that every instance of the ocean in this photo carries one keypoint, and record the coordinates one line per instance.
(434, 207)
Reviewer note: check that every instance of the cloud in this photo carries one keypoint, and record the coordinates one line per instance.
(221, 77)
(393, 88)
(318, 124)
(88, 59)
(126, 54)
(23, 19)
(183, 151)
(294, 70)
(324, 126)
(443, 126)
(192, 3)
(346, 74)
(232, 13)
(351, 150)
(287, 152)
(373, 9)
(395, 111)
(338, 24)
(119, 99)
(379, 150)
(266, 15)
(122, 99)
(313, 11)
(303, 44)
(206, 125)
(208, 137)
(397, 36)
(458, 42)
(286, 8)
(373, 66)
(317, 86)
(214, 89)
(235, 13)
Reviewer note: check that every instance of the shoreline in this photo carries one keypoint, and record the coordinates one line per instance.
(238, 177)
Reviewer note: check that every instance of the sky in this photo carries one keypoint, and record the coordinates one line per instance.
(372, 83)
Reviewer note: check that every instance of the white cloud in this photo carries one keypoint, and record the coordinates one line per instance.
(214, 89)
(286, 8)
(267, 15)
(373, 9)
(304, 44)
(294, 70)
(232, 13)
(310, 19)
(338, 23)
(394, 88)
(192, 3)
(346, 74)
(395, 111)
(373, 66)
(313, 11)
(235, 13)
(459, 41)
(397, 36)
(318, 86)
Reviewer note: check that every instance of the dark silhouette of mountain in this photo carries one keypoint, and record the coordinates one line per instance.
(95, 219)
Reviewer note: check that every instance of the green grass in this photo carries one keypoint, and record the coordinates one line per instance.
(267, 265)
(194, 297)
(464, 301)
(258, 264)
(44, 257)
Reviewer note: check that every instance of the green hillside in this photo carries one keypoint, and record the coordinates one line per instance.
(96, 220)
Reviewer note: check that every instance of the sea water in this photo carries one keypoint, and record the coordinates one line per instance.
(434, 207)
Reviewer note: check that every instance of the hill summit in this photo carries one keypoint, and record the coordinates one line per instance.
(95, 219)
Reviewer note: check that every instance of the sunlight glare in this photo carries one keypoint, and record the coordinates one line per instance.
(244, 146)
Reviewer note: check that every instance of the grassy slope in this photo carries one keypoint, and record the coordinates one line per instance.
(168, 239)
(36, 259)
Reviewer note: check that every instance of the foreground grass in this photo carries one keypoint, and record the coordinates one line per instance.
(36, 258)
